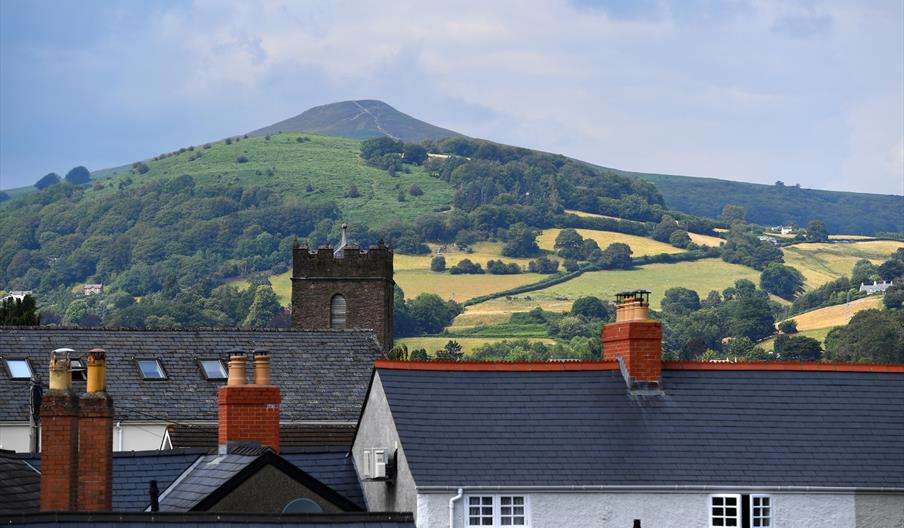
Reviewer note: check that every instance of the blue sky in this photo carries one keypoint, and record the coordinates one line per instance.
(804, 92)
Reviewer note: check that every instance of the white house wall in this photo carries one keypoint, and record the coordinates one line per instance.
(677, 510)
(15, 438)
(130, 437)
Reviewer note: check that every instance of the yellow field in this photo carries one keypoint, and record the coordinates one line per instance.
(850, 237)
(590, 215)
(498, 311)
(821, 263)
(459, 288)
(838, 315)
(640, 246)
(481, 253)
(706, 240)
(818, 334)
(468, 344)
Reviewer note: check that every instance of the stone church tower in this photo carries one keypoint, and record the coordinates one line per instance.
(344, 288)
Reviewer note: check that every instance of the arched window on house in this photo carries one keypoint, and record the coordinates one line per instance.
(337, 312)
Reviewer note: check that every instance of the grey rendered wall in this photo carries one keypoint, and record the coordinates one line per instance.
(377, 430)
(655, 510)
(880, 511)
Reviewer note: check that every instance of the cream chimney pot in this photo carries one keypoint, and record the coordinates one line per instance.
(60, 372)
(236, 369)
(261, 368)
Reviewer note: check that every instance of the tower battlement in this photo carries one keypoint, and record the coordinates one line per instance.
(351, 262)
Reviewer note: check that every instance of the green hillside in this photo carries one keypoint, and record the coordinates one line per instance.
(359, 120)
(842, 212)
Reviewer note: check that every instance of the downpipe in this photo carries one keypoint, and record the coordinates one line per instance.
(452, 502)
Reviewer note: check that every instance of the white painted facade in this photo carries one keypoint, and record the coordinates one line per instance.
(575, 509)
(127, 436)
(603, 508)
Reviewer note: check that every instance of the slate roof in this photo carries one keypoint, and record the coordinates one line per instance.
(204, 519)
(316, 470)
(20, 484)
(323, 374)
(332, 467)
(202, 479)
(711, 427)
(290, 435)
(134, 470)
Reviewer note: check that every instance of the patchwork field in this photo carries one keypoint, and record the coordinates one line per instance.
(823, 262)
(480, 253)
(701, 276)
(458, 287)
(639, 245)
(838, 315)
(590, 215)
(818, 334)
(468, 344)
(706, 240)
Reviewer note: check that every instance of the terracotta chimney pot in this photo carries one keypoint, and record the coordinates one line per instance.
(236, 369)
(261, 368)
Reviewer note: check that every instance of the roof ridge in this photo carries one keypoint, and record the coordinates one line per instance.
(792, 366)
(191, 329)
(497, 366)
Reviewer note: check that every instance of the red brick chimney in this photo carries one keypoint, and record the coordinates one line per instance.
(635, 338)
(249, 413)
(95, 468)
(59, 437)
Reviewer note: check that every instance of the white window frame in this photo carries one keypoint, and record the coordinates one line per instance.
(497, 509)
(770, 509)
(723, 517)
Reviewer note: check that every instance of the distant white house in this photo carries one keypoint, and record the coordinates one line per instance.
(94, 289)
(16, 295)
(784, 230)
(875, 287)
(767, 238)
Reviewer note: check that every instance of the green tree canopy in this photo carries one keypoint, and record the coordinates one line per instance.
(733, 213)
(569, 244)
(872, 336)
(680, 301)
(816, 232)
(797, 348)
(590, 307)
(19, 312)
(521, 241)
(781, 280)
(615, 256)
(891, 269)
(864, 271)
(264, 308)
(78, 175)
(47, 180)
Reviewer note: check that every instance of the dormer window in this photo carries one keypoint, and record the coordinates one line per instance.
(213, 369)
(151, 369)
(337, 312)
(79, 371)
(19, 369)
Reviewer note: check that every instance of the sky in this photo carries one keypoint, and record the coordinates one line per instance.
(804, 92)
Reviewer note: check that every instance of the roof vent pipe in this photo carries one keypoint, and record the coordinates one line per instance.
(154, 492)
(261, 367)
(236, 369)
(60, 374)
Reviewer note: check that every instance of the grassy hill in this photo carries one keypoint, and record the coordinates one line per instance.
(358, 120)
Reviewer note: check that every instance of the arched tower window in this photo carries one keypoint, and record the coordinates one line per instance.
(337, 312)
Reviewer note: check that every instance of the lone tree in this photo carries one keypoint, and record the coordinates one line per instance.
(48, 180)
(78, 176)
(816, 232)
(590, 307)
(438, 263)
(569, 244)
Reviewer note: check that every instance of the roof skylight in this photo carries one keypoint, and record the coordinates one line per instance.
(19, 369)
(151, 369)
(213, 369)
